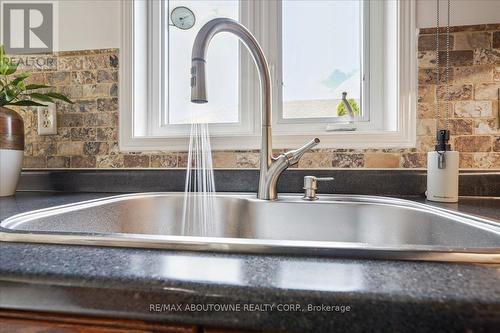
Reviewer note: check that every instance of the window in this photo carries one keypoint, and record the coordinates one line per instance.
(317, 68)
(316, 49)
(223, 58)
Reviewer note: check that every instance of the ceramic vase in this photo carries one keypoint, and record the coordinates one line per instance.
(11, 150)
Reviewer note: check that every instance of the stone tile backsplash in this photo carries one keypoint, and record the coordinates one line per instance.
(88, 130)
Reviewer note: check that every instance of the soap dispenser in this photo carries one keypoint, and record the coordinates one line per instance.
(442, 170)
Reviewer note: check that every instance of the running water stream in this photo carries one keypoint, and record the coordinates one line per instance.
(199, 209)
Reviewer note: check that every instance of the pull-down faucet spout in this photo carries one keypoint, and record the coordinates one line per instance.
(270, 167)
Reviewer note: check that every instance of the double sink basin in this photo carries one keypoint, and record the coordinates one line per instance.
(348, 226)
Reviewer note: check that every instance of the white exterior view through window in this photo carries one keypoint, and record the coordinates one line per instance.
(223, 58)
(318, 67)
(350, 83)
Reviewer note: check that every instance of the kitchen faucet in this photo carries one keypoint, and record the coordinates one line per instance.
(270, 167)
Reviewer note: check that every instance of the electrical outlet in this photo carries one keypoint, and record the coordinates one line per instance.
(47, 120)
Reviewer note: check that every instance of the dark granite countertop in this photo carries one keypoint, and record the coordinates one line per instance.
(127, 283)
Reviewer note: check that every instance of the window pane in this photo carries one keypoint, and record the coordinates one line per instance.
(321, 56)
(222, 66)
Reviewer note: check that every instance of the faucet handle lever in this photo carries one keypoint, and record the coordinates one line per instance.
(324, 179)
(311, 185)
(293, 156)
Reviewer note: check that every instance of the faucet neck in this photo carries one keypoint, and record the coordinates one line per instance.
(200, 47)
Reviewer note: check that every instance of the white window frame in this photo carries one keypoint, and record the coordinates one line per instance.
(138, 90)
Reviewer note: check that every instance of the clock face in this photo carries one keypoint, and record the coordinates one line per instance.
(183, 18)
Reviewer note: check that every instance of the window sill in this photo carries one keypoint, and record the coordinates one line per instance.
(337, 140)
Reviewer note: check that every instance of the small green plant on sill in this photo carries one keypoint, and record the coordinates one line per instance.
(341, 110)
(15, 91)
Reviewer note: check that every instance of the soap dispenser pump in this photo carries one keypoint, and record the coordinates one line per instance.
(442, 170)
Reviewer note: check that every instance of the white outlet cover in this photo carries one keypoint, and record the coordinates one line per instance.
(47, 120)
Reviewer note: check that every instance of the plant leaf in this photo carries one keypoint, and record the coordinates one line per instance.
(9, 94)
(59, 97)
(41, 97)
(36, 86)
(26, 103)
(11, 69)
(20, 77)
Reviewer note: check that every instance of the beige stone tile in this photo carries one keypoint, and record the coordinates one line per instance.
(44, 148)
(496, 74)
(426, 143)
(83, 162)
(496, 143)
(99, 119)
(107, 134)
(316, 160)
(426, 59)
(84, 106)
(486, 126)
(107, 104)
(494, 160)
(472, 40)
(426, 93)
(35, 162)
(375, 160)
(92, 62)
(429, 76)
(58, 78)
(485, 56)
(37, 78)
(456, 92)
(458, 126)
(426, 110)
(473, 143)
(348, 160)
(457, 58)
(96, 90)
(486, 91)
(83, 77)
(480, 160)
(72, 92)
(496, 40)
(414, 160)
(473, 109)
(70, 120)
(136, 161)
(168, 160)
(428, 42)
(473, 74)
(426, 127)
(247, 160)
(110, 161)
(69, 63)
(114, 147)
(83, 133)
(70, 148)
(95, 148)
(473, 160)
(58, 162)
(221, 159)
(106, 76)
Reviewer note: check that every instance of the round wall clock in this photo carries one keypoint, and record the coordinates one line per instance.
(183, 18)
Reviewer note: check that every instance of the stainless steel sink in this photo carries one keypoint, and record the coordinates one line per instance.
(335, 225)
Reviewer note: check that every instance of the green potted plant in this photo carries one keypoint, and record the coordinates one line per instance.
(341, 109)
(15, 91)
